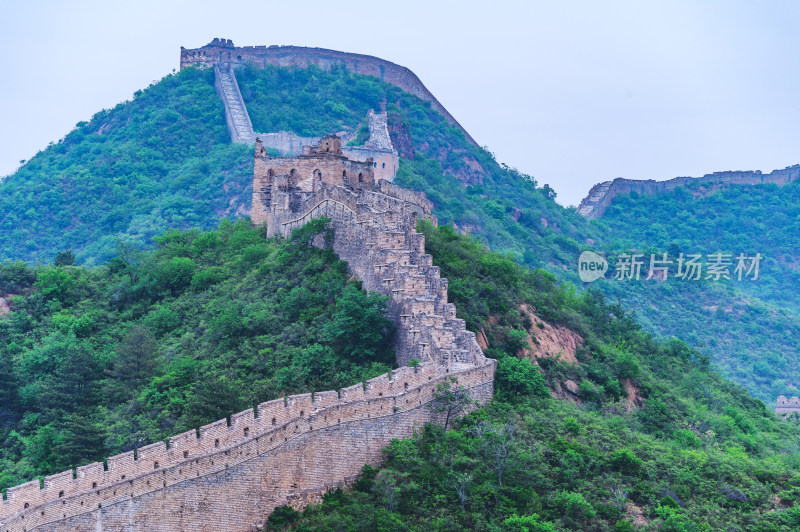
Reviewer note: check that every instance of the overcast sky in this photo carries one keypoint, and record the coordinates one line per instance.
(570, 92)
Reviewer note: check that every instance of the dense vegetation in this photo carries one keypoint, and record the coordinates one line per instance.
(163, 160)
(698, 454)
(738, 219)
(751, 326)
(96, 361)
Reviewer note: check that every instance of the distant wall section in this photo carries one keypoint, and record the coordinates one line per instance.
(601, 195)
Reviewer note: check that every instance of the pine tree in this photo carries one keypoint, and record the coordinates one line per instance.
(135, 363)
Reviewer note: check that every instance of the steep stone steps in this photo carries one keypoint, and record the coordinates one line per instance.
(237, 117)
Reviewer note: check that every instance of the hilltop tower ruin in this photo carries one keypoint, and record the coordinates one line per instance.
(787, 406)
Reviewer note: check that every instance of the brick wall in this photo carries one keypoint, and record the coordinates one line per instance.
(231, 476)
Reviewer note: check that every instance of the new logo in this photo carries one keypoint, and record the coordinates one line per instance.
(591, 266)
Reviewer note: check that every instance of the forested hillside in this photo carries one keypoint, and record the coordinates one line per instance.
(160, 161)
(751, 327)
(652, 438)
(96, 361)
(105, 359)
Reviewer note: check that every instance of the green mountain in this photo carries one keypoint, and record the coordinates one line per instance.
(164, 160)
(751, 327)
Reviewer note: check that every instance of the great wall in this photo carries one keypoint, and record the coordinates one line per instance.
(602, 194)
(231, 474)
(223, 52)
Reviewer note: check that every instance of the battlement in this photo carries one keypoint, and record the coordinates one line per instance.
(787, 406)
(601, 195)
(223, 51)
(221, 445)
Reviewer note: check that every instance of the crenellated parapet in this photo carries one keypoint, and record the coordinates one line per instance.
(192, 478)
(602, 194)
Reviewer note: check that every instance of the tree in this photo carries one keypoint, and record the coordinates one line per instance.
(517, 377)
(136, 361)
(9, 390)
(497, 443)
(74, 384)
(387, 489)
(620, 495)
(82, 440)
(64, 258)
(460, 483)
(627, 366)
(527, 523)
(450, 400)
(211, 399)
(359, 328)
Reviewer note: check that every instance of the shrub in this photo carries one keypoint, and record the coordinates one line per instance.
(175, 274)
(574, 506)
(527, 523)
(519, 377)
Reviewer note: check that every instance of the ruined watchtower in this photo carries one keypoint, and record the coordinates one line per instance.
(787, 406)
(282, 185)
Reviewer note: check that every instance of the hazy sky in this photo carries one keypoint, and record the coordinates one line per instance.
(570, 92)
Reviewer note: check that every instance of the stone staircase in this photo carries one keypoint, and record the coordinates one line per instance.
(596, 195)
(384, 250)
(239, 125)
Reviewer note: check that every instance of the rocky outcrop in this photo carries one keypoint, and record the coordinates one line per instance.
(549, 341)
(601, 195)
(400, 136)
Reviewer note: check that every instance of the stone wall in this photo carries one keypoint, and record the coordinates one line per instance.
(223, 50)
(236, 116)
(787, 406)
(231, 475)
(601, 195)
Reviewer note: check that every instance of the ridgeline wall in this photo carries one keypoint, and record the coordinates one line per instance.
(602, 194)
(224, 51)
